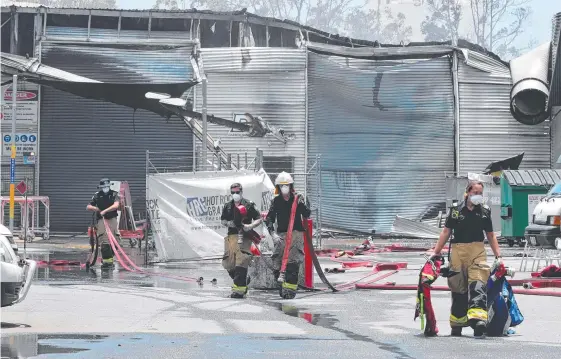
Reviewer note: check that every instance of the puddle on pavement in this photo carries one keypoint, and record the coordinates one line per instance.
(31, 345)
(329, 321)
(66, 275)
(76, 345)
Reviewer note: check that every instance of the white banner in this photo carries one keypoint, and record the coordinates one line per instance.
(185, 209)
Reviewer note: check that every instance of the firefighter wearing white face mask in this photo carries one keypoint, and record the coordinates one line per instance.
(279, 212)
(237, 246)
(106, 203)
(469, 221)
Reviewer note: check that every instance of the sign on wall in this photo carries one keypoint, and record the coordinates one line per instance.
(27, 104)
(533, 200)
(26, 146)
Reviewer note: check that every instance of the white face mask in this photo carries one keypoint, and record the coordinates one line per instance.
(105, 189)
(476, 199)
(285, 190)
(237, 197)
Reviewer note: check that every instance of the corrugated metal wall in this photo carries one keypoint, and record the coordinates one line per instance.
(95, 33)
(385, 132)
(266, 82)
(84, 140)
(488, 132)
(556, 138)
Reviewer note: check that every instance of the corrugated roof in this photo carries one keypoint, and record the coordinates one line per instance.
(545, 178)
(244, 15)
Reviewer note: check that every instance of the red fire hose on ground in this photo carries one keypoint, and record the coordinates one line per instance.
(135, 269)
(529, 283)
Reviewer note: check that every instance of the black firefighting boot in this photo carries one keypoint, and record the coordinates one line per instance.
(290, 284)
(107, 260)
(479, 329)
(239, 289)
(456, 332)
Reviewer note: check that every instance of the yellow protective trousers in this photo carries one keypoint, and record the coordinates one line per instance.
(236, 260)
(469, 286)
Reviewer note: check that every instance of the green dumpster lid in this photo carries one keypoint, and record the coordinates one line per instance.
(545, 178)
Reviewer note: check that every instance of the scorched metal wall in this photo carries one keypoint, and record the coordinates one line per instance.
(488, 132)
(84, 140)
(385, 132)
(266, 82)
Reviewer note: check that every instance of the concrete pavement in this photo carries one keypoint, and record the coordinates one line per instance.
(78, 314)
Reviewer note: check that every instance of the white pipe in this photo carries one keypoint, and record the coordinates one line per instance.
(456, 111)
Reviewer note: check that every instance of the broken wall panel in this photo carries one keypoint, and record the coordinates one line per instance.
(83, 140)
(266, 82)
(385, 132)
(120, 63)
(488, 132)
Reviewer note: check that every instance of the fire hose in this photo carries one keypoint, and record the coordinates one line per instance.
(135, 269)
(441, 288)
(94, 245)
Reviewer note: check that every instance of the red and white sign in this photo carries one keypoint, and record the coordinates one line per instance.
(22, 187)
(27, 104)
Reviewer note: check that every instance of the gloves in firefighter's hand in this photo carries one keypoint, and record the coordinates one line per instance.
(498, 261)
(301, 200)
(276, 237)
(228, 223)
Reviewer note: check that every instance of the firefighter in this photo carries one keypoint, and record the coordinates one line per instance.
(468, 221)
(237, 245)
(105, 203)
(279, 212)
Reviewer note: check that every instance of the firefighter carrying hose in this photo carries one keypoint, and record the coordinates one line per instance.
(105, 203)
(240, 216)
(279, 211)
(468, 220)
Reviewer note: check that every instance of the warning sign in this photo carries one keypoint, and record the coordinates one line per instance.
(27, 104)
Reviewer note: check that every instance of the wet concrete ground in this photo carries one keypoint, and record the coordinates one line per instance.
(75, 313)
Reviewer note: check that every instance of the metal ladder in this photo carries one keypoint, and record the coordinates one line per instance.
(538, 254)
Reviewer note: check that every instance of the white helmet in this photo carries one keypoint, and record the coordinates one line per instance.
(283, 178)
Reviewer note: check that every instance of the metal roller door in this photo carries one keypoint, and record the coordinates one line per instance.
(83, 140)
(385, 132)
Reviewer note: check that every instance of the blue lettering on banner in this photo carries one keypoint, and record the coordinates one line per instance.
(196, 207)
(12, 170)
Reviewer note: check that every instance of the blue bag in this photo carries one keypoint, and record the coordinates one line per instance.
(502, 307)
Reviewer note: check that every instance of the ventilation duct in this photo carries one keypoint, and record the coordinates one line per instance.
(555, 95)
(530, 90)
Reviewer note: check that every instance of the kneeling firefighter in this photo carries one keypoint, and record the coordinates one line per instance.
(241, 217)
(467, 256)
(105, 203)
(280, 211)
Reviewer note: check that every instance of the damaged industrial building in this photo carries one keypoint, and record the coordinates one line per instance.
(388, 126)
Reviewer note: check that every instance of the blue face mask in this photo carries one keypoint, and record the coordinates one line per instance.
(105, 189)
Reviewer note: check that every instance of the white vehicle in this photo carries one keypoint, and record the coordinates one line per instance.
(16, 274)
(546, 220)
(4, 231)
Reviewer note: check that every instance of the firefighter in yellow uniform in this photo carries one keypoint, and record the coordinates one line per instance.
(237, 246)
(468, 221)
